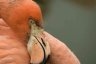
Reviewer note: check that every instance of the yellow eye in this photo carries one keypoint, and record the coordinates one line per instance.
(31, 21)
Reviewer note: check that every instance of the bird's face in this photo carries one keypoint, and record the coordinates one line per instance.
(17, 15)
(25, 19)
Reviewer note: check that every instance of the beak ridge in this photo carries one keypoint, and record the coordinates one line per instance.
(38, 46)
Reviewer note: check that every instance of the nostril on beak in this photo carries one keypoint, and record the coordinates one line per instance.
(43, 42)
(44, 50)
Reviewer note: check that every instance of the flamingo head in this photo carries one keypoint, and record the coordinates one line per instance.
(25, 19)
(18, 13)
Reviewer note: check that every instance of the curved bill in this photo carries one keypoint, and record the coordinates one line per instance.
(37, 46)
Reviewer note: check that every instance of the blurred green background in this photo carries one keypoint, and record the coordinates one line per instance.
(74, 23)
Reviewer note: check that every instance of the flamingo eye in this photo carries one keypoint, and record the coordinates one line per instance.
(31, 21)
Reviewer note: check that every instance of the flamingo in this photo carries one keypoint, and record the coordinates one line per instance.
(21, 26)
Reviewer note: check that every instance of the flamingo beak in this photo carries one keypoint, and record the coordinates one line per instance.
(38, 47)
